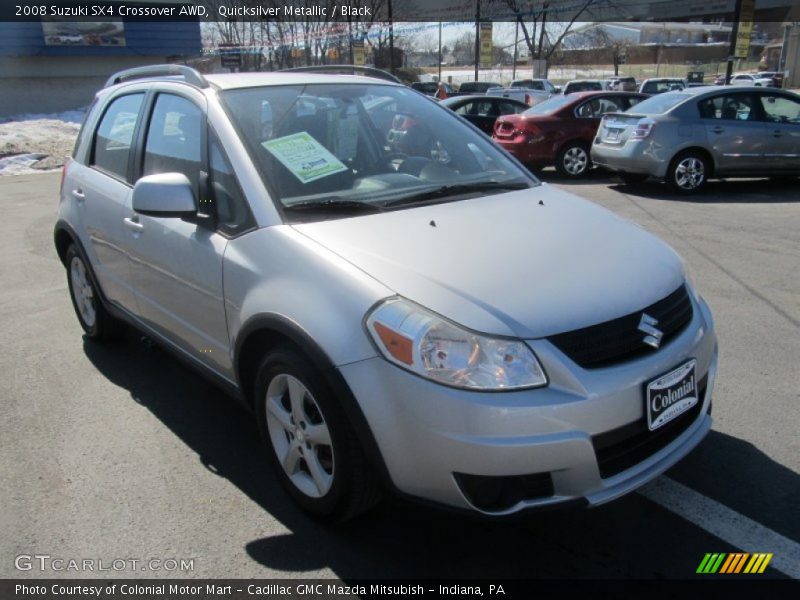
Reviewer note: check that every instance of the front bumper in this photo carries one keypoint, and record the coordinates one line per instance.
(428, 433)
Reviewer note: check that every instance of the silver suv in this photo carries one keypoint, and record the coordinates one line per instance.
(409, 312)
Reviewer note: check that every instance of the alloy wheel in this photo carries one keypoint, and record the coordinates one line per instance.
(575, 160)
(690, 173)
(300, 436)
(82, 291)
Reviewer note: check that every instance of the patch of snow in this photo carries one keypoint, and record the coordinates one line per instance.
(48, 137)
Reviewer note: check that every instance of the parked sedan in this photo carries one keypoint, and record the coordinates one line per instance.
(560, 131)
(685, 137)
(482, 111)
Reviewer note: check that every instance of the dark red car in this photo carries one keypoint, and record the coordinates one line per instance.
(559, 131)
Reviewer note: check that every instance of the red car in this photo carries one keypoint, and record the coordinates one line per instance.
(559, 131)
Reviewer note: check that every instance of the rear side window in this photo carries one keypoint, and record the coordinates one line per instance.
(174, 138)
(112, 143)
(735, 107)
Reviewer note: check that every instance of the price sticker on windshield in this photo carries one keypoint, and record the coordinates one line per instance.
(305, 157)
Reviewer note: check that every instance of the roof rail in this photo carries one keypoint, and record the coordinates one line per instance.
(190, 75)
(345, 70)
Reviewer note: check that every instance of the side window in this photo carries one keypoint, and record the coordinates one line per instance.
(727, 108)
(597, 107)
(466, 109)
(633, 100)
(507, 108)
(780, 109)
(174, 138)
(112, 143)
(232, 211)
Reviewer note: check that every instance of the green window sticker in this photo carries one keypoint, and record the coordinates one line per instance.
(304, 156)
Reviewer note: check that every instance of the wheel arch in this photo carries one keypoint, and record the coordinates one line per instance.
(63, 236)
(266, 331)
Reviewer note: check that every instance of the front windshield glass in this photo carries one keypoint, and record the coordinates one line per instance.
(355, 148)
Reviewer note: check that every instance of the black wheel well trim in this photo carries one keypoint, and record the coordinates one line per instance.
(709, 157)
(284, 329)
(63, 236)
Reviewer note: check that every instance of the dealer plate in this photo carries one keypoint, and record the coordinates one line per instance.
(671, 395)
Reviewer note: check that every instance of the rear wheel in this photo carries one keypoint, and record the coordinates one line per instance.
(92, 315)
(311, 444)
(688, 172)
(573, 160)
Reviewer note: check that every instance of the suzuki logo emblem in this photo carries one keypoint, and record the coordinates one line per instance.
(648, 325)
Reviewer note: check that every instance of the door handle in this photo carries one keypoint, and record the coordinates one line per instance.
(777, 133)
(78, 193)
(718, 129)
(133, 224)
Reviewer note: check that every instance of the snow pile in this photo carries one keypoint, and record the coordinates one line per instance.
(35, 143)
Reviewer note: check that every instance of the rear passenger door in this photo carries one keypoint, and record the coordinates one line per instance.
(782, 116)
(735, 133)
(176, 264)
(101, 189)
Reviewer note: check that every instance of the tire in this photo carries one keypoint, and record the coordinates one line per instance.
(688, 172)
(632, 178)
(311, 444)
(92, 315)
(574, 160)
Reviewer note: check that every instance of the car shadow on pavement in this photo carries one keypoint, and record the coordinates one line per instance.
(718, 191)
(402, 539)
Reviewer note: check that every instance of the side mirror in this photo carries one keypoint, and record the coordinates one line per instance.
(164, 195)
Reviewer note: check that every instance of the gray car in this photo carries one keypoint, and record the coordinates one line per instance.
(686, 137)
(398, 301)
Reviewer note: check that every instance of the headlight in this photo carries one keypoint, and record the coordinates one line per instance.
(424, 343)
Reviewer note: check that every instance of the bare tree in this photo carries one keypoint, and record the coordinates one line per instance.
(598, 37)
(534, 20)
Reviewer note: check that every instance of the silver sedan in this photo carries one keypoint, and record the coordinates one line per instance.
(685, 137)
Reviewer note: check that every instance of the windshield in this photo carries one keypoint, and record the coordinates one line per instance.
(660, 104)
(549, 106)
(349, 148)
(657, 87)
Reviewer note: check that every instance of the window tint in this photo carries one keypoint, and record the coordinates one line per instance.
(232, 210)
(174, 138)
(729, 108)
(478, 108)
(780, 109)
(597, 107)
(509, 108)
(112, 144)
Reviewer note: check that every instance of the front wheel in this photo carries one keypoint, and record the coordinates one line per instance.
(93, 317)
(311, 444)
(574, 161)
(688, 172)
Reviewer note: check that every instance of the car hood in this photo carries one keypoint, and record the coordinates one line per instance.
(528, 263)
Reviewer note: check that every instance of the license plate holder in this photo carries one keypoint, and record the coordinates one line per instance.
(670, 395)
(612, 134)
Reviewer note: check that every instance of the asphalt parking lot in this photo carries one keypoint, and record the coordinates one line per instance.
(118, 451)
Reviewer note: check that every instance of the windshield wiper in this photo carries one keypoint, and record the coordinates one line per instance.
(333, 204)
(456, 189)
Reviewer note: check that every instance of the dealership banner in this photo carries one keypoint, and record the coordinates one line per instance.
(377, 11)
(730, 588)
(486, 44)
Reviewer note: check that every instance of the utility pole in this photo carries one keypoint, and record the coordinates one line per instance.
(440, 51)
(514, 60)
(732, 47)
(391, 40)
(477, 36)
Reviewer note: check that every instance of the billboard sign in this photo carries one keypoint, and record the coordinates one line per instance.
(96, 33)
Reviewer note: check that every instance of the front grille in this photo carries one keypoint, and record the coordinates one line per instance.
(619, 340)
(622, 448)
